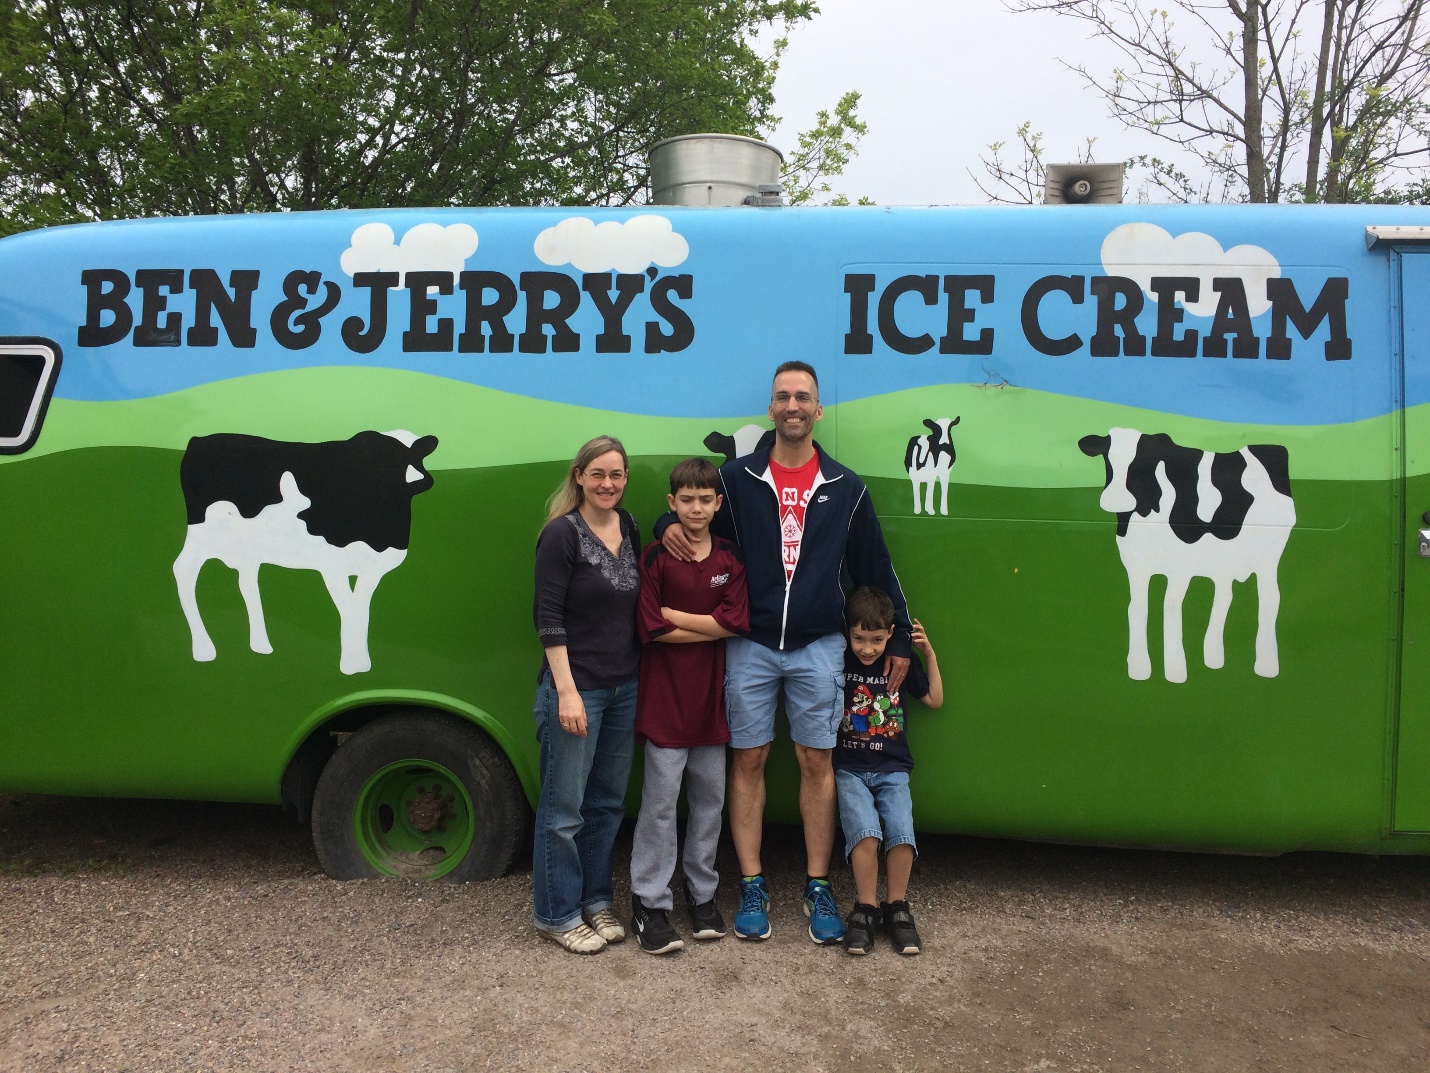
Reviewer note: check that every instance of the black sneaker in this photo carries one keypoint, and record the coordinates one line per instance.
(653, 930)
(859, 929)
(899, 923)
(705, 919)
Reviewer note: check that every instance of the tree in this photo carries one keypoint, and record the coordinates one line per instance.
(170, 107)
(1020, 182)
(1279, 100)
(824, 151)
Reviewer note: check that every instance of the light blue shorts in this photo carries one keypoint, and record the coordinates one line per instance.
(875, 804)
(813, 681)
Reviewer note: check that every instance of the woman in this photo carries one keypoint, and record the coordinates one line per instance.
(587, 584)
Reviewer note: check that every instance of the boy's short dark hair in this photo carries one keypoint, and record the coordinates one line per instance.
(869, 609)
(694, 473)
(798, 367)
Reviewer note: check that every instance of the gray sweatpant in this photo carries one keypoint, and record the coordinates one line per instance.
(653, 851)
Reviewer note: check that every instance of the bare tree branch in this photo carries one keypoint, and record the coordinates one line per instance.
(1233, 83)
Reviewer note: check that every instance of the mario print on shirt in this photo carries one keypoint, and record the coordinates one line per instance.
(872, 713)
(871, 730)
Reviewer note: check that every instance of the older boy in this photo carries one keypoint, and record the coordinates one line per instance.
(686, 609)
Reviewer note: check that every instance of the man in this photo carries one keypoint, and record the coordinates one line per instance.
(798, 516)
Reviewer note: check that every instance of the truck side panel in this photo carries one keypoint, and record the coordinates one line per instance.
(1037, 368)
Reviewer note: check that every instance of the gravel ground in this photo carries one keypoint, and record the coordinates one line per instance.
(174, 936)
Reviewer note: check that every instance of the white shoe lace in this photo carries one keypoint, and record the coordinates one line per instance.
(603, 920)
(580, 939)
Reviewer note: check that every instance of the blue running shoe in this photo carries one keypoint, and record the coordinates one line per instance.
(825, 927)
(752, 919)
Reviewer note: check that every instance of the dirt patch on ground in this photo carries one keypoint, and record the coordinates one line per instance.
(175, 936)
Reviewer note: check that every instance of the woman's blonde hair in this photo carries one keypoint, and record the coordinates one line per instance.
(568, 495)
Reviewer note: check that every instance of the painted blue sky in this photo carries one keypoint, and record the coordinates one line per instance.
(764, 286)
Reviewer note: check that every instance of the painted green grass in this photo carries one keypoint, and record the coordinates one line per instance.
(1018, 438)
(1007, 437)
(1044, 735)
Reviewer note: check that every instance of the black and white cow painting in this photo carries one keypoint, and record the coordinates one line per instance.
(928, 460)
(746, 440)
(1185, 513)
(342, 508)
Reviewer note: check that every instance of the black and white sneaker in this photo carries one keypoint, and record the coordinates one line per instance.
(653, 930)
(705, 919)
(859, 929)
(899, 924)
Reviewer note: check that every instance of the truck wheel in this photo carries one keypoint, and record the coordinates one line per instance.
(418, 795)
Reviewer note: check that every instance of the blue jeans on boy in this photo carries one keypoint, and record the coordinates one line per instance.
(583, 794)
(875, 804)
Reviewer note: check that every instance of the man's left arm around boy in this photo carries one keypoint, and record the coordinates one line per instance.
(867, 559)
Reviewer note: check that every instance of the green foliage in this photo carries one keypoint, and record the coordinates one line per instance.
(168, 107)
(1416, 193)
(1257, 91)
(1020, 182)
(1163, 178)
(824, 151)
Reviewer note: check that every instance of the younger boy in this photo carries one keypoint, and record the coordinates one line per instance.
(871, 770)
(685, 611)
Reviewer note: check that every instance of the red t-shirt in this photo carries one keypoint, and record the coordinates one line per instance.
(795, 486)
(681, 700)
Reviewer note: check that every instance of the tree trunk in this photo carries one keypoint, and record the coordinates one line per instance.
(1337, 109)
(1317, 118)
(1250, 13)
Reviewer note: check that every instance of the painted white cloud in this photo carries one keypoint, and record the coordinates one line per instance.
(425, 248)
(629, 246)
(1140, 251)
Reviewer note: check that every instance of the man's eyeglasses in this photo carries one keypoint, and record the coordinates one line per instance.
(782, 398)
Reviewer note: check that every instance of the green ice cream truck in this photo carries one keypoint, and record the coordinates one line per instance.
(1155, 479)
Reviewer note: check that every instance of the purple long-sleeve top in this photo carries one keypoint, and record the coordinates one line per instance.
(586, 600)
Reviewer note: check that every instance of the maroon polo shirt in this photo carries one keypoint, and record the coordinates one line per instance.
(681, 702)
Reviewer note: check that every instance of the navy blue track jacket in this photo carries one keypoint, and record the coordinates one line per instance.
(840, 531)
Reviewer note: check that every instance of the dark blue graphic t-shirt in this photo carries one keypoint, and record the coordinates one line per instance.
(871, 734)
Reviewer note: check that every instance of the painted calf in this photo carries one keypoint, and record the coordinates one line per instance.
(928, 459)
(342, 508)
(747, 440)
(1186, 513)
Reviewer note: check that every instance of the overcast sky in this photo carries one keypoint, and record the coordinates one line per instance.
(940, 80)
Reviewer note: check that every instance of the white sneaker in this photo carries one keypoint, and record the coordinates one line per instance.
(605, 924)
(578, 940)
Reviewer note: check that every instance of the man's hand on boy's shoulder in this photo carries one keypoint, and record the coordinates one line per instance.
(677, 542)
(895, 668)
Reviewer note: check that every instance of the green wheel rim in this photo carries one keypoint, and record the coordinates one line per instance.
(414, 819)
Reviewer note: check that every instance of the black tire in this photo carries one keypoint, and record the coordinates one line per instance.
(361, 828)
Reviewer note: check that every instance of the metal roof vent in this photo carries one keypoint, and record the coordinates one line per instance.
(770, 194)
(715, 170)
(1083, 184)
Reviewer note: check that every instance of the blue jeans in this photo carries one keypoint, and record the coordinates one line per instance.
(875, 804)
(583, 795)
